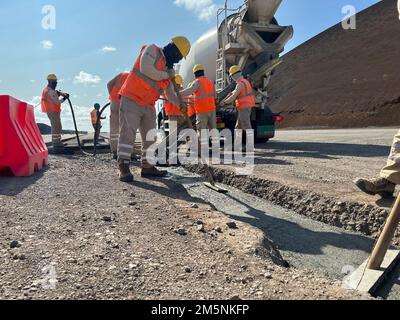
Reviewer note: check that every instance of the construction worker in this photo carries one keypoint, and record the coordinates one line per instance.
(94, 115)
(149, 78)
(389, 177)
(114, 86)
(203, 93)
(51, 105)
(385, 184)
(243, 97)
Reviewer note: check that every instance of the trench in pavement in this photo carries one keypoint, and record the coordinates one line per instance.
(305, 243)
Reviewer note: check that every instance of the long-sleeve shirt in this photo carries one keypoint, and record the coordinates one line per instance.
(191, 89)
(150, 56)
(235, 93)
(53, 96)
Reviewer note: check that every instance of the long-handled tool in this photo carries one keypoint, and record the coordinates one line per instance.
(211, 180)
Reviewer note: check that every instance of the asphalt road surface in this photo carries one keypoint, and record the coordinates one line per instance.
(326, 161)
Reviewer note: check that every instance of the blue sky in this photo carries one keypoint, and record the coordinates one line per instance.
(83, 28)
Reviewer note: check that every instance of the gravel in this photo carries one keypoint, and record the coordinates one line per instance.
(124, 252)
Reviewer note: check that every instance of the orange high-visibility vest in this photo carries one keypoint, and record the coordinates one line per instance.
(171, 109)
(140, 88)
(246, 96)
(204, 97)
(93, 116)
(47, 104)
(114, 95)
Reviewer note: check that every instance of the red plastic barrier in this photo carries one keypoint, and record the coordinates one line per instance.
(22, 148)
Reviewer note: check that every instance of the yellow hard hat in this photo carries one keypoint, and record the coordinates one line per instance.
(183, 45)
(198, 68)
(233, 70)
(52, 77)
(178, 79)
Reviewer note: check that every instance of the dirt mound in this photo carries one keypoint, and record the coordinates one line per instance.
(344, 78)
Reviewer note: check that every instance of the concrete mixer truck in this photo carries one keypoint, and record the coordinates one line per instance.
(251, 38)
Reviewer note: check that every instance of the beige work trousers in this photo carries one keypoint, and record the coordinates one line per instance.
(392, 170)
(133, 117)
(56, 127)
(207, 121)
(244, 119)
(114, 126)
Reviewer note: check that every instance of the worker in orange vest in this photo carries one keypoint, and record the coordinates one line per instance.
(203, 92)
(51, 105)
(243, 97)
(150, 77)
(94, 115)
(114, 86)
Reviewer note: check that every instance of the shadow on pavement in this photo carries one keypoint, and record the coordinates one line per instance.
(170, 189)
(392, 282)
(290, 236)
(322, 150)
(12, 186)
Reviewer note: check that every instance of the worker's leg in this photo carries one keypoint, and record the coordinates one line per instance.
(215, 137)
(244, 119)
(114, 126)
(392, 170)
(96, 132)
(131, 115)
(243, 126)
(56, 128)
(201, 127)
(385, 185)
(148, 123)
(212, 120)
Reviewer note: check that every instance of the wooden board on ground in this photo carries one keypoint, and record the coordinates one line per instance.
(368, 281)
(215, 187)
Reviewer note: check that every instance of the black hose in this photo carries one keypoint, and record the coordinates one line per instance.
(98, 128)
(77, 132)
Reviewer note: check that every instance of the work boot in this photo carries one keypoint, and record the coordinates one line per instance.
(115, 156)
(125, 174)
(153, 172)
(380, 186)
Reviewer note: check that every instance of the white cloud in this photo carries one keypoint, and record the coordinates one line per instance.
(32, 81)
(204, 9)
(47, 44)
(108, 49)
(100, 95)
(35, 101)
(86, 78)
(1, 81)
